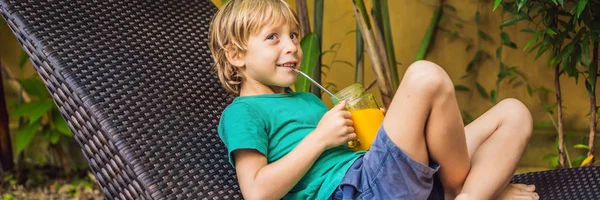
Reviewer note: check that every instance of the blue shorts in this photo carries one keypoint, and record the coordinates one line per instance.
(386, 172)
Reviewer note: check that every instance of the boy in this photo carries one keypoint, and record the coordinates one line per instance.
(287, 145)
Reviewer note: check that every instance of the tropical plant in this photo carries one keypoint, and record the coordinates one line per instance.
(381, 51)
(567, 30)
(42, 138)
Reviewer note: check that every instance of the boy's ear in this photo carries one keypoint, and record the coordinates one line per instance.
(235, 57)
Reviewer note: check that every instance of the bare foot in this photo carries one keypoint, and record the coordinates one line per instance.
(518, 191)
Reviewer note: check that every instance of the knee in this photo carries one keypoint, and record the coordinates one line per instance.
(428, 78)
(517, 113)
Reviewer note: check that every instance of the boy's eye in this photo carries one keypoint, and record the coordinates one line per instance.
(272, 36)
(294, 36)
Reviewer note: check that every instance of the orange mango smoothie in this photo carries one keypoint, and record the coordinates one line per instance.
(366, 123)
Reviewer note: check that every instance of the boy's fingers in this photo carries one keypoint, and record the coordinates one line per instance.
(340, 106)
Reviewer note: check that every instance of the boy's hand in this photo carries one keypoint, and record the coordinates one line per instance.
(335, 128)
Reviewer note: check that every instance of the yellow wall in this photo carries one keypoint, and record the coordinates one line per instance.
(410, 19)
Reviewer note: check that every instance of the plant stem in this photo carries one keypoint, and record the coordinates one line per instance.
(381, 77)
(557, 73)
(429, 34)
(561, 135)
(593, 111)
(302, 12)
(318, 30)
(13, 82)
(389, 43)
(377, 29)
(360, 48)
(6, 160)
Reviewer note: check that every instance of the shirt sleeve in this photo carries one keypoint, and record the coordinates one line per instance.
(242, 127)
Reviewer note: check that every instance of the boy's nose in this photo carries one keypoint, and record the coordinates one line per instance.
(290, 46)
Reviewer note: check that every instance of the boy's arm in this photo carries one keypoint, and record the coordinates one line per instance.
(259, 180)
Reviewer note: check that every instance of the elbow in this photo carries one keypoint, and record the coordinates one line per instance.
(258, 195)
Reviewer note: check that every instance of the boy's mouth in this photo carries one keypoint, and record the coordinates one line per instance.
(291, 65)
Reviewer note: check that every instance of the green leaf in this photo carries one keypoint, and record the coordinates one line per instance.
(520, 5)
(34, 110)
(23, 59)
(499, 53)
(359, 71)
(328, 51)
(578, 160)
(512, 21)
(461, 88)
(484, 36)
(309, 45)
(544, 89)
(532, 40)
(389, 44)
(477, 17)
(452, 33)
(553, 162)
(541, 52)
(451, 7)
(352, 31)
(467, 116)
(493, 96)
(585, 51)
(548, 108)
(506, 40)
(581, 146)
(542, 125)
(569, 135)
(427, 38)
(529, 90)
(549, 155)
(481, 91)
(61, 126)
(54, 137)
(34, 87)
(556, 142)
(550, 31)
(527, 30)
(580, 6)
(335, 45)
(496, 4)
(24, 136)
(344, 62)
(588, 87)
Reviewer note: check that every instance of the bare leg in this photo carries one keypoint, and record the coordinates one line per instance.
(496, 141)
(424, 120)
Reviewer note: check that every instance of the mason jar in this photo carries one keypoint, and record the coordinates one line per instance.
(366, 115)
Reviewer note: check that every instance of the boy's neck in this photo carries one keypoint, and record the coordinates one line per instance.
(254, 89)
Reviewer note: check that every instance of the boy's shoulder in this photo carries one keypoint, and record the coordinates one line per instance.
(267, 103)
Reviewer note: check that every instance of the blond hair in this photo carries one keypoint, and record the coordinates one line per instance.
(231, 27)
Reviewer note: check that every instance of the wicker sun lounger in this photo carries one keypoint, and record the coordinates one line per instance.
(133, 80)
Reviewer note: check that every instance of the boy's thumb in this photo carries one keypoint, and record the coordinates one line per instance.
(340, 106)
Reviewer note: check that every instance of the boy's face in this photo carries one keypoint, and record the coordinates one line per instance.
(271, 54)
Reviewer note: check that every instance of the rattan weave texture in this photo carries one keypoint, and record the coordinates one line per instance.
(133, 80)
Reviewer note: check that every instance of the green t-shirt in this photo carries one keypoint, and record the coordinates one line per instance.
(274, 124)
